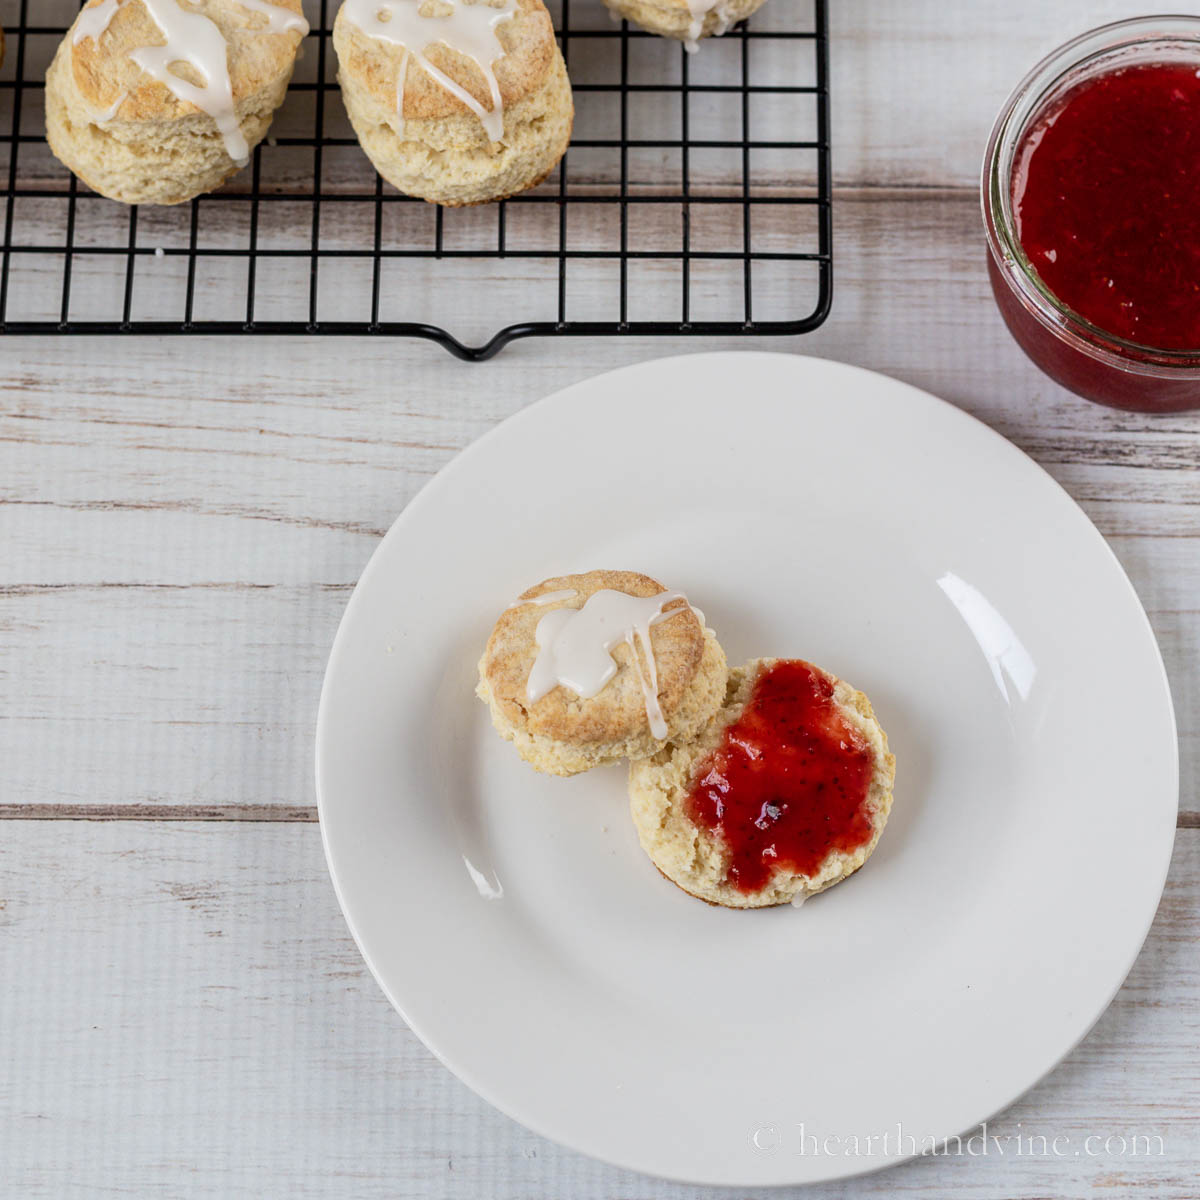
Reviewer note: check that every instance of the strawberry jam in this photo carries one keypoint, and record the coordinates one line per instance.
(1106, 198)
(789, 781)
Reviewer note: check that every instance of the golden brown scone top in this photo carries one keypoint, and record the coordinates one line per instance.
(529, 46)
(619, 710)
(102, 69)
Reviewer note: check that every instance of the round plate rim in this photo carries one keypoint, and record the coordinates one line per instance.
(858, 1167)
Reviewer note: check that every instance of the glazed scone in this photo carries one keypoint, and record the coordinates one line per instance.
(686, 20)
(455, 101)
(644, 702)
(782, 795)
(154, 101)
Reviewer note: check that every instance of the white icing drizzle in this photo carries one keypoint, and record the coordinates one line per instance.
(798, 899)
(279, 19)
(191, 38)
(699, 10)
(544, 599)
(194, 39)
(111, 111)
(92, 22)
(469, 29)
(575, 646)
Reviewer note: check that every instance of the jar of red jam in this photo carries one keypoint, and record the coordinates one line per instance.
(1091, 199)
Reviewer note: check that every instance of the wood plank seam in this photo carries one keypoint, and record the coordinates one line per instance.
(295, 813)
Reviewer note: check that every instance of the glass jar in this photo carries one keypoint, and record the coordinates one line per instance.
(1090, 361)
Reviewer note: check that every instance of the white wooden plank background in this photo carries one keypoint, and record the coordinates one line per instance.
(217, 1034)
(181, 1009)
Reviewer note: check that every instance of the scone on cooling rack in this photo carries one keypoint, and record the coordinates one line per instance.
(157, 101)
(784, 793)
(455, 101)
(686, 20)
(587, 669)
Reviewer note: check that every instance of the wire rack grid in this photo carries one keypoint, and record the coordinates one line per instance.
(680, 207)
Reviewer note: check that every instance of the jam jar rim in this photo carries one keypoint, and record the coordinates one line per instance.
(1028, 100)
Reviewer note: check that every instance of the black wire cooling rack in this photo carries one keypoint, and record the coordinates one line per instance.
(679, 208)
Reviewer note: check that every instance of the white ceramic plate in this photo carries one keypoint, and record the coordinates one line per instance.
(810, 509)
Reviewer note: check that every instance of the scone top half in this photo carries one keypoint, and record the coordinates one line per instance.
(389, 76)
(562, 733)
(258, 59)
(785, 829)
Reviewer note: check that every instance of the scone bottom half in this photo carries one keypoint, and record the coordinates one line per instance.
(588, 669)
(784, 794)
